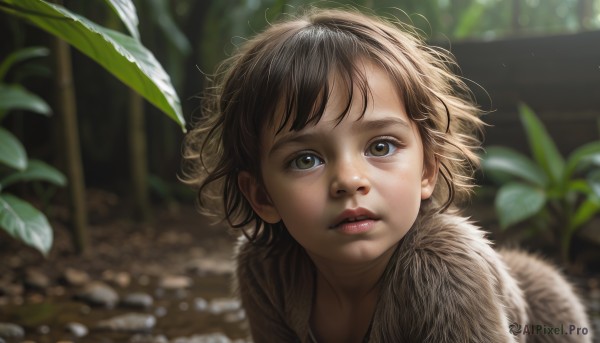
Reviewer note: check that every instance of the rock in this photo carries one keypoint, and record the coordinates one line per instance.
(216, 337)
(174, 282)
(138, 300)
(9, 330)
(234, 317)
(144, 338)
(43, 330)
(99, 294)
(218, 306)
(211, 266)
(119, 279)
(76, 329)
(11, 289)
(74, 277)
(200, 304)
(36, 280)
(131, 322)
(160, 311)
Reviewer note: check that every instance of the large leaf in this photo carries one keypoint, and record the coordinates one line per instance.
(120, 54)
(21, 55)
(15, 97)
(500, 160)
(516, 202)
(36, 171)
(25, 222)
(586, 153)
(125, 9)
(12, 152)
(542, 146)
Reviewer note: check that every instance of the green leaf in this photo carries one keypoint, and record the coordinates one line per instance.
(498, 161)
(593, 180)
(125, 9)
(469, 20)
(120, 54)
(586, 153)
(542, 146)
(586, 211)
(36, 171)
(25, 222)
(15, 97)
(161, 12)
(21, 55)
(516, 202)
(12, 152)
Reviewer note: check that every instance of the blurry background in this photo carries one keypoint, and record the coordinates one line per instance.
(543, 53)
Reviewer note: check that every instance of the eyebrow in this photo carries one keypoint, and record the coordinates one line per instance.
(362, 125)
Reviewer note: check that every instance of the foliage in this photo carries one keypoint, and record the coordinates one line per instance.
(124, 56)
(548, 192)
(18, 217)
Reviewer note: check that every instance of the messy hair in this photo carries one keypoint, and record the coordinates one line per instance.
(289, 68)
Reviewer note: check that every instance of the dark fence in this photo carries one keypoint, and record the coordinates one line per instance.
(558, 76)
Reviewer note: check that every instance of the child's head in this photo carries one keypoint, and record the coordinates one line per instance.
(282, 81)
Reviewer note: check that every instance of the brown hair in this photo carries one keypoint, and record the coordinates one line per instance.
(289, 66)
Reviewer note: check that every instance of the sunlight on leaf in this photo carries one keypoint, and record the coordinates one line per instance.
(500, 160)
(516, 202)
(542, 146)
(121, 55)
(12, 152)
(125, 9)
(25, 222)
(15, 97)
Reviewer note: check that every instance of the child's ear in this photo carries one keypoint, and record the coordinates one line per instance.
(258, 198)
(429, 179)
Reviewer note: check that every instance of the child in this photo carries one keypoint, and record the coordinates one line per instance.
(339, 144)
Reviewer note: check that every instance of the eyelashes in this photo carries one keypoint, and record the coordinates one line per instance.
(309, 160)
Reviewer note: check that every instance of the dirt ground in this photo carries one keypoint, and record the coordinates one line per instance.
(179, 246)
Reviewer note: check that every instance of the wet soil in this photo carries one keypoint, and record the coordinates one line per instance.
(130, 257)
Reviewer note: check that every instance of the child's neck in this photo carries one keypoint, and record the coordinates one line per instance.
(346, 298)
(351, 282)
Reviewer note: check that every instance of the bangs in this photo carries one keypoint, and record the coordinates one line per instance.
(304, 71)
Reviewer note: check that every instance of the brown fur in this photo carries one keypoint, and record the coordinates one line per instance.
(444, 283)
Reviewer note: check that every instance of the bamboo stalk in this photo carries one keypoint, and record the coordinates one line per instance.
(137, 157)
(67, 111)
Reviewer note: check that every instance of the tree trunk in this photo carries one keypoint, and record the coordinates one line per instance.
(137, 157)
(67, 110)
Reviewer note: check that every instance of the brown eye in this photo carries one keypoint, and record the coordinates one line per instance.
(380, 148)
(305, 162)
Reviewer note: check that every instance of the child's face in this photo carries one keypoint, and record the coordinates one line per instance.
(370, 171)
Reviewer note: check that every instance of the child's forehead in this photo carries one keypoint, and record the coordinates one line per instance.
(343, 100)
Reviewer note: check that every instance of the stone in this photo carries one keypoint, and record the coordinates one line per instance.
(211, 266)
(235, 316)
(35, 279)
(174, 282)
(216, 337)
(99, 294)
(77, 329)
(130, 322)
(75, 277)
(145, 338)
(138, 300)
(9, 330)
(220, 305)
(119, 279)
(200, 304)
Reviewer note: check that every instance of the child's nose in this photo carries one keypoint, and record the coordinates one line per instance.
(349, 179)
